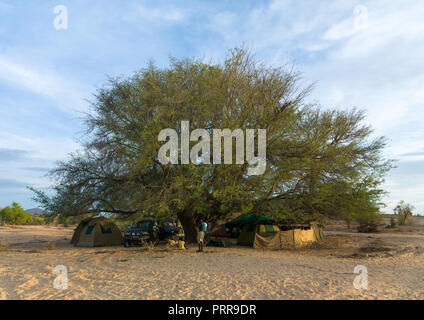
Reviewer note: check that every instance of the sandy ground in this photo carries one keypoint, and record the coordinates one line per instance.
(395, 263)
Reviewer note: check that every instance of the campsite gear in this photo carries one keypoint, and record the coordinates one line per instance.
(181, 245)
(97, 232)
(180, 234)
(172, 243)
(220, 231)
(171, 230)
(141, 232)
(219, 243)
(179, 224)
(178, 244)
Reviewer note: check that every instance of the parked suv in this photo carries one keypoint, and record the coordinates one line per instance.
(141, 232)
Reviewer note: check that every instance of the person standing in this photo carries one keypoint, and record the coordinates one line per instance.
(203, 228)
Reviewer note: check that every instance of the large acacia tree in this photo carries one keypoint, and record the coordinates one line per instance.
(318, 162)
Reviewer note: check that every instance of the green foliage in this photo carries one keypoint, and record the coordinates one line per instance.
(15, 215)
(38, 220)
(368, 220)
(404, 212)
(65, 220)
(393, 223)
(319, 163)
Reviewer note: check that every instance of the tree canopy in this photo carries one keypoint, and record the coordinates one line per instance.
(320, 162)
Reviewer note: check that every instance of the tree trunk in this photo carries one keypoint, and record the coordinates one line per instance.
(189, 225)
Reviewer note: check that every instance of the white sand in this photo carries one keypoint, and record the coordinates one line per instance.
(395, 265)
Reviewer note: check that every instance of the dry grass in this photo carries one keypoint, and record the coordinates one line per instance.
(3, 245)
(50, 245)
(335, 242)
(149, 245)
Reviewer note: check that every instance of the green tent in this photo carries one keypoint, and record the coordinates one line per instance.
(249, 232)
(97, 232)
(251, 218)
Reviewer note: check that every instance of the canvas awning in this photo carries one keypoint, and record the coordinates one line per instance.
(250, 219)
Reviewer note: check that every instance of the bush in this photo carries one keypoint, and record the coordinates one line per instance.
(404, 211)
(367, 228)
(38, 221)
(368, 221)
(393, 223)
(15, 215)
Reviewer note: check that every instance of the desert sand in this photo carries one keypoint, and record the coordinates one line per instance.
(395, 263)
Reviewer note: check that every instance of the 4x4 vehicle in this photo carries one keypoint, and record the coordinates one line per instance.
(170, 230)
(149, 230)
(143, 231)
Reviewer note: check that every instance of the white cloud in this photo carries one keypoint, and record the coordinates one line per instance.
(343, 29)
(156, 16)
(45, 148)
(66, 94)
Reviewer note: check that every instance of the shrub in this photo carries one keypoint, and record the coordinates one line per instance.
(404, 211)
(367, 228)
(50, 245)
(393, 223)
(38, 221)
(15, 215)
(368, 221)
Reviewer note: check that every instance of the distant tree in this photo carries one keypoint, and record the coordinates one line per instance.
(15, 214)
(393, 222)
(38, 220)
(404, 212)
(319, 162)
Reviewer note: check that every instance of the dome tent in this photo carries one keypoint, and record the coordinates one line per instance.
(97, 232)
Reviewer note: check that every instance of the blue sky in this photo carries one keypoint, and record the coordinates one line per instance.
(365, 54)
